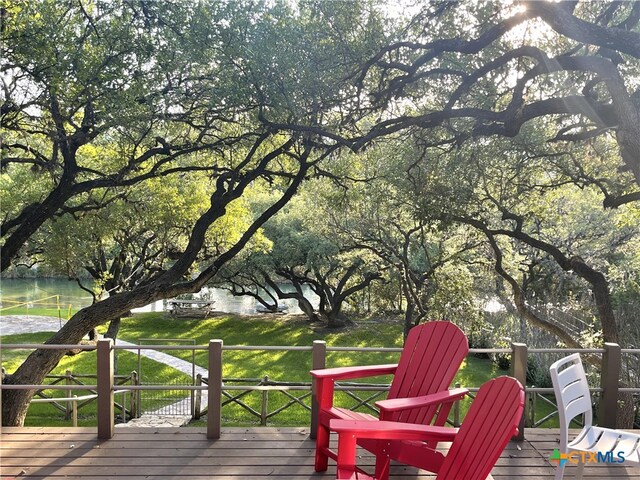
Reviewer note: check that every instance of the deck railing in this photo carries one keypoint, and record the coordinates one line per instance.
(71, 405)
(217, 391)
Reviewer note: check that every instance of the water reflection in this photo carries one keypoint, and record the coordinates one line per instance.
(47, 292)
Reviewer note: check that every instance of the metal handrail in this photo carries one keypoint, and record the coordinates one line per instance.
(48, 346)
(318, 361)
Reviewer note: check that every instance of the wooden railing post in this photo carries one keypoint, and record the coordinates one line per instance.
(106, 415)
(214, 401)
(456, 409)
(264, 410)
(134, 396)
(74, 411)
(3, 372)
(318, 361)
(67, 413)
(530, 417)
(609, 378)
(519, 372)
(198, 403)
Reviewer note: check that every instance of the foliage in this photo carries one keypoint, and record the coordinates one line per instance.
(154, 145)
(104, 98)
(312, 259)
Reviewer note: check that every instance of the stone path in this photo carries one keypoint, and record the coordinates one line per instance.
(14, 324)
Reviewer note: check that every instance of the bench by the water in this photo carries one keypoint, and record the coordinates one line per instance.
(190, 308)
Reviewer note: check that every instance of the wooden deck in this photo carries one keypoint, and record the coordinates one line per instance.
(254, 453)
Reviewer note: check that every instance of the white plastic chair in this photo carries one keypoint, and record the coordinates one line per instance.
(573, 398)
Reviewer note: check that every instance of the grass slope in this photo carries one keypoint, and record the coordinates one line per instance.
(41, 414)
(238, 330)
(291, 366)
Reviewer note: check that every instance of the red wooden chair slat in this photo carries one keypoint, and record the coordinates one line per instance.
(421, 372)
(487, 428)
(429, 361)
(438, 373)
(409, 365)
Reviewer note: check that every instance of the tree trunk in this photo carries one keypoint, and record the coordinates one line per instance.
(34, 369)
(606, 315)
(335, 319)
(33, 218)
(38, 364)
(408, 318)
(113, 329)
(307, 308)
(626, 413)
(303, 303)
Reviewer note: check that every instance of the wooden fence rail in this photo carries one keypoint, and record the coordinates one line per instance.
(76, 379)
(234, 384)
(219, 393)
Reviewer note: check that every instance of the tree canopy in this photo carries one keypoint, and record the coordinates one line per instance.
(117, 94)
(430, 154)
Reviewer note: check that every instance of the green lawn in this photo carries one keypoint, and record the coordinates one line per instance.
(82, 364)
(281, 365)
(285, 366)
(277, 365)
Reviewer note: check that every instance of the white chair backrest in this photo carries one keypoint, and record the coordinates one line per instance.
(572, 390)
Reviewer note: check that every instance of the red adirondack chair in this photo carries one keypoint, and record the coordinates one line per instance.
(419, 391)
(490, 422)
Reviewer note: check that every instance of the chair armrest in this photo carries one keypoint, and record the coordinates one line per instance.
(383, 430)
(324, 380)
(398, 404)
(346, 373)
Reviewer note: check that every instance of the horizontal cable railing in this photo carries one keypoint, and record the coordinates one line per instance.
(220, 390)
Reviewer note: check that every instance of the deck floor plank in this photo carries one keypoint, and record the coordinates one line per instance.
(241, 453)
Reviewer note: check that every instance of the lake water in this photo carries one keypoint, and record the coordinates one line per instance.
(35, 291)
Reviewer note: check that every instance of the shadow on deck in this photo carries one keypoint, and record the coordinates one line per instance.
(241, 453)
